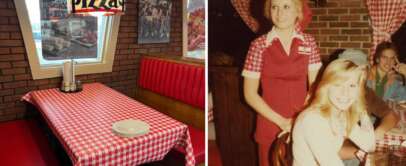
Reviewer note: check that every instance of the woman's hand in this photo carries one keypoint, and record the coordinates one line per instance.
(400, 67)
(285, 126)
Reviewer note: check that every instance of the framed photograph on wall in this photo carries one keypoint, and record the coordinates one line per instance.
(154, 24)
(194, 41)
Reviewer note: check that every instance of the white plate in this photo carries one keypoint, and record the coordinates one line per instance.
(130, 128)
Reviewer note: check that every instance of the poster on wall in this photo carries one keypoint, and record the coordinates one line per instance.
(195, 29)
(65, 36)
(154, 21)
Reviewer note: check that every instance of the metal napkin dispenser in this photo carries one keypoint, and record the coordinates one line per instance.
(69, 83)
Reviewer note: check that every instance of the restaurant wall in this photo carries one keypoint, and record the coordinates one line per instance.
(340, 24)
(337, 24)
(15, 74)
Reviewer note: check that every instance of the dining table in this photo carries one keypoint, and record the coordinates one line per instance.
(391, 150)
(82, 122)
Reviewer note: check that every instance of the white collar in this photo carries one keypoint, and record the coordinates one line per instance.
(271, 35)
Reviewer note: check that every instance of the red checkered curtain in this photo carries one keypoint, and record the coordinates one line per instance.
(386, 17)
(243, 8)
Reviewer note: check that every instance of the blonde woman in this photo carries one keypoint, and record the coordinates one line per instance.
(284, 62)
(337, 105)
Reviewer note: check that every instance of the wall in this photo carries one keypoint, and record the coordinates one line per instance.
(338, 24)
(15, 74)
(227, 32)
(341, 24)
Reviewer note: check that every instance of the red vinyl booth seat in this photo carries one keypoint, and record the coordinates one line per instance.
(22, 143)
(183, 82)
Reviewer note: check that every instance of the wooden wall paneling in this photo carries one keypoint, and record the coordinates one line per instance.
(234, 119)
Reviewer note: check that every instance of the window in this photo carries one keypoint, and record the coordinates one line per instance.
(194, 39)
(52, 36)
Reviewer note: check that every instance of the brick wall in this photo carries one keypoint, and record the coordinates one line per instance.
(341, 24)
(15, 74)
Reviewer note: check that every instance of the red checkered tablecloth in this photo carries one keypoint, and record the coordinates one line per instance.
(389, 151)
(83, 124)
(389, 139)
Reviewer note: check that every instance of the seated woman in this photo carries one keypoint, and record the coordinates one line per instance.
(331, 116)
(383, 78)
(376, 108)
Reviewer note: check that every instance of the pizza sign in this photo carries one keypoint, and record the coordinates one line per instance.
(86, 6)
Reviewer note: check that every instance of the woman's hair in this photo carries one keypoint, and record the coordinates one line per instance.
(298, 4)
(382, 47)
(336, 73)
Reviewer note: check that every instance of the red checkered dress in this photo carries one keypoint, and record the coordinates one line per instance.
(254, 60)
(283, 77)
(83, 124)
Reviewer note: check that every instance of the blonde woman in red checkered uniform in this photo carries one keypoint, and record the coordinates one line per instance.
(284, 62)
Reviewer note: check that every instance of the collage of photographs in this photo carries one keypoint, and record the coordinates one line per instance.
(203, 82)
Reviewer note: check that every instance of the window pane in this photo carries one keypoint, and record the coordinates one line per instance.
(59, 35)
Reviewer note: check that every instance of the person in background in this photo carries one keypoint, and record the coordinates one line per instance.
(385, 76)
(375, 107)
(332, 115)
(284, 62)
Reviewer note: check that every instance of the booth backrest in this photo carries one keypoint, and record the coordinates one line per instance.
(183, 82)
(174, 88)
